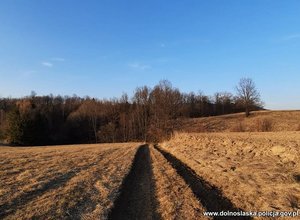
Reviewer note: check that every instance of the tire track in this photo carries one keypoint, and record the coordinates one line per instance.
(175, 198)
(136, 198)
(210, 197)
(11, 207)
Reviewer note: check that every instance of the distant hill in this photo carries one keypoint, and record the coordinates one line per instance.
(257, 121)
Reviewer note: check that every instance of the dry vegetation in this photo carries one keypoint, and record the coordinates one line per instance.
(257, 121)
(68, 182)
(256, 171)
(175, 199)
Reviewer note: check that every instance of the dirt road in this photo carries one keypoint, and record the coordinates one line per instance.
(136, 198)
(159, 186)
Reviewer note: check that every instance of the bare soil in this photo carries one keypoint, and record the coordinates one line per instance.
(255, 171)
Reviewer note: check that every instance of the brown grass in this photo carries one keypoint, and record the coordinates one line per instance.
(176, 200)
(257, 121)
(256, 171)
(63, 181)
(239, 127)
(263, 124)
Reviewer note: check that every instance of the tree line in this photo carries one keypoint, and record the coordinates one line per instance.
(151, 114)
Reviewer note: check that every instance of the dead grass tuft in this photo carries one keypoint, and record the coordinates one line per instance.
(239, 127)
(263, 125)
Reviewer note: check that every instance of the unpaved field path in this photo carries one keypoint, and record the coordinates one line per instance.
(136, 198)
(159, 186)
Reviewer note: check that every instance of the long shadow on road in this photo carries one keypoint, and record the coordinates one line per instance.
(209, 196)
(136, 199)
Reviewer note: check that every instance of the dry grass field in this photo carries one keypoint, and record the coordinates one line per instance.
(114, 181)
(256, 171)
(62, 182)
(178, 179)
(256, 122)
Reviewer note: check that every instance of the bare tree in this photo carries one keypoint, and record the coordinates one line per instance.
(248, 94)
(90, 108)
(123, 115)
(223, 103)
(142, 100)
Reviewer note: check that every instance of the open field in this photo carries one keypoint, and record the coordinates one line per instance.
(114, 181)
(107, 181)
(178, 179)
(255, 171)
(256, 122)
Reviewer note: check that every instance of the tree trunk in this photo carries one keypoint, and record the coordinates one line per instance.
(247, 111)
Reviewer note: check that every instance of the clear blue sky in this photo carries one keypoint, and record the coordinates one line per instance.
(103, 48)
